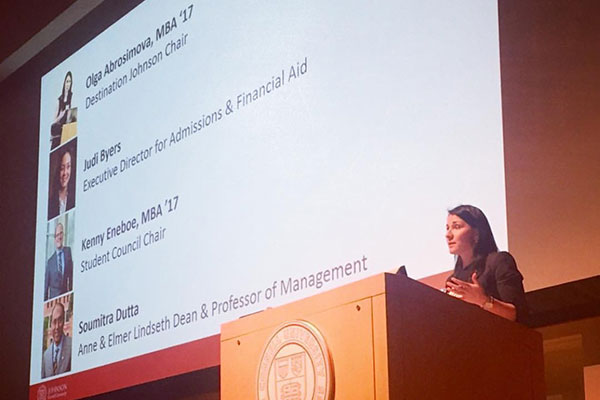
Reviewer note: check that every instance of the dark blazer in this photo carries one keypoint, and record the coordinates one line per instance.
(56, 283)
(500, 278)
(54, 205)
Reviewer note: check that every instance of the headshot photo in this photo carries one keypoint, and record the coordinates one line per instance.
(64, 122)
(58, 277)
(58, 331)
(61, 186)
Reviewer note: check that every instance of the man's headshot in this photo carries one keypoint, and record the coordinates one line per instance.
(59, 268)
(57, 357)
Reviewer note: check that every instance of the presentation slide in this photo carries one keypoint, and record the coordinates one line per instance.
(201, 161)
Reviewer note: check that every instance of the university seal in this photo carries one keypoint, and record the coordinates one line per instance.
(295, 365)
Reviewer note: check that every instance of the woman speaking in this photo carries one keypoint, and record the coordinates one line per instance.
(483, 275)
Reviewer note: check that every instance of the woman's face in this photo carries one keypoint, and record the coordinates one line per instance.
(461, 238)
(65, 170)
(67, 84)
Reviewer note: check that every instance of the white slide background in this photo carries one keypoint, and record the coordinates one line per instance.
(396, 119)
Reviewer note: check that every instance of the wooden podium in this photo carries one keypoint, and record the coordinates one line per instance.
(68, 132)
(388, 337)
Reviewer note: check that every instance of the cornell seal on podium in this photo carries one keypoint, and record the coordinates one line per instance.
(295, 365)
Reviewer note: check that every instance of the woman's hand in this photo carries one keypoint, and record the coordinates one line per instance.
(470, 292)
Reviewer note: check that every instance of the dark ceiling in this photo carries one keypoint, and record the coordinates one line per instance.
(21, 20)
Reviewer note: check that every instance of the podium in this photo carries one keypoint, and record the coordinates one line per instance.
(384, 337)
(68, 132)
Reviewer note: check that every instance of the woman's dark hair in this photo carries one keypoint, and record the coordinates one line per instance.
(477, 220)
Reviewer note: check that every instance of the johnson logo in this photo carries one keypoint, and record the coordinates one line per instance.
(42, 392)
(56, 392)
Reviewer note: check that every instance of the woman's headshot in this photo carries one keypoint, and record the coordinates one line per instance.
(62, 181)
